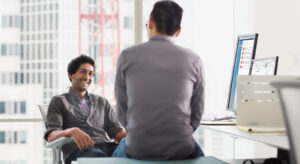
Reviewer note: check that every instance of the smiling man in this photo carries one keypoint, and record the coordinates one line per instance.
(86, 117)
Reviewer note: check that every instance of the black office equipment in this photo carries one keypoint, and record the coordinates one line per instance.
(264, 66)
(245, 52)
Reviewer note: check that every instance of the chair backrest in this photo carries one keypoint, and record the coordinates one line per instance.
(289, 94)
(43, 110)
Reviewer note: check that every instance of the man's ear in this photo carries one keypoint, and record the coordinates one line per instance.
(151, 23)
(70, 77)
(178, 32)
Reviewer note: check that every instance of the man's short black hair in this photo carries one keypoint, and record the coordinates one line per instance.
(167, 17)
(76, 62)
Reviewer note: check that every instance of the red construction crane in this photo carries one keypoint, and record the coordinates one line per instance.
(101, 18)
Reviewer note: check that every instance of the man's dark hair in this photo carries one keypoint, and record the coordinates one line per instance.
(76, 62)
(167, 16)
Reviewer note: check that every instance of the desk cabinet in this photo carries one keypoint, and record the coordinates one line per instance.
(225, 146)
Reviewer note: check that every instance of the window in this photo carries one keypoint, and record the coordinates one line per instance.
(9, 108)
(22, 23)
(9, 138)
(45, 21)
(4, 21)
(17, 50)
(56, 21)
(16, 78)
(33, 77)
(39, 23)
(17, 23)
(50, 21)
(22, 78)
(33, 23)
(27, 23)
(23, 107)
(10, 78)
(51, 51)
(3, 78)
(2, 107)
(22, 136)
(15, 107)
(15, 137)
(27, 77)
(10, 49)
(22, 51)
(39, 77)
(128, 22)
(2, 137)
(3, 49)
(51, 80)
(10, 21)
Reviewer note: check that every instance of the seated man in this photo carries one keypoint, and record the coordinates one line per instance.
(86, 117)
(160, 92)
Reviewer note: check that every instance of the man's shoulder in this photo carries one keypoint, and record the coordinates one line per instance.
(58, 97)
(188, 53)
(135, 48)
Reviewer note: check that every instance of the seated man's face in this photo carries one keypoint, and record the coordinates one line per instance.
(83, 77)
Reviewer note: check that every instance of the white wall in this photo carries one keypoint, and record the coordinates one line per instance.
(278, 23)
(207, 29)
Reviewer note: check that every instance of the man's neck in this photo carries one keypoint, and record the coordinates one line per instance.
(160, 34)
(80, 94)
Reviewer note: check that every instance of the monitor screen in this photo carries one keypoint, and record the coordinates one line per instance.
(264, 66)
(245, 52)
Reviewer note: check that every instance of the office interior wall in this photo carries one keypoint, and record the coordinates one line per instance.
(207, 29)
(243, 17)
(278, 25)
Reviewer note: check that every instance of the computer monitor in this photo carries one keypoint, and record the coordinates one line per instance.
(245, 52)
(264, 66)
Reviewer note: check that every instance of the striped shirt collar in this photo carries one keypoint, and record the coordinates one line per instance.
(75, 98)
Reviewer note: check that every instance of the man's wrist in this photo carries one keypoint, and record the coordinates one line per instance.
(69, 132)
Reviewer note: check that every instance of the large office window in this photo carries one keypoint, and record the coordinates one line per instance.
(45, 36)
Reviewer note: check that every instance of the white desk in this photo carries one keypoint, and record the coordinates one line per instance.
(277, 140)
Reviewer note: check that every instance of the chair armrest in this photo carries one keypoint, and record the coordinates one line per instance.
(58, 143)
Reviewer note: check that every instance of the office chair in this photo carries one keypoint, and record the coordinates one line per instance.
(289, 95)
(58, 143)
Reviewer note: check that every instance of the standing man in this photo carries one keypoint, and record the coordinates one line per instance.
(86, 117)
(160, 92)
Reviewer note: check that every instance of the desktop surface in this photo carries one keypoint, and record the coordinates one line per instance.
(278, 140)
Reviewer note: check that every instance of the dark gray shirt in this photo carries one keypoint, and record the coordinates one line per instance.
(65, 112)
(159, 90)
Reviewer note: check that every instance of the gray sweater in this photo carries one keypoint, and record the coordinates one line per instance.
(65, 112)
(159, 91)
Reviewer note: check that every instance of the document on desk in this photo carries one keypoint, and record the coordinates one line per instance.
(257, 129)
